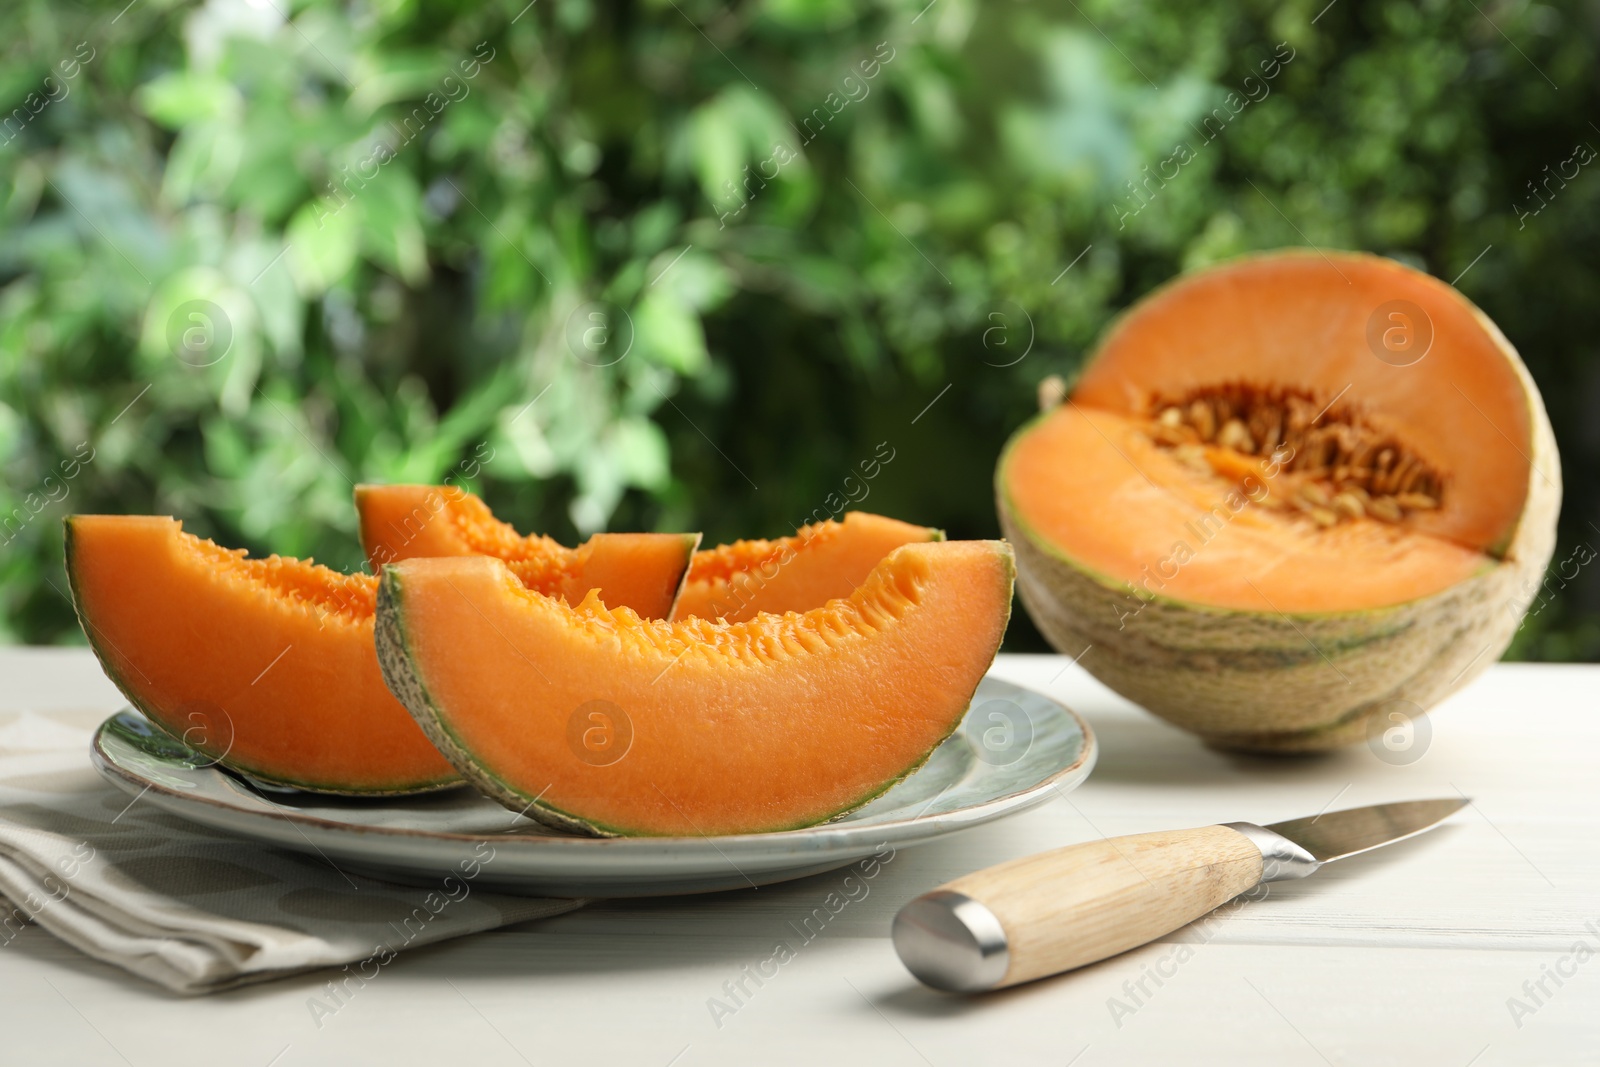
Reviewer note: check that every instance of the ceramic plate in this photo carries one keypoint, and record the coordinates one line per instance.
(1014, 750)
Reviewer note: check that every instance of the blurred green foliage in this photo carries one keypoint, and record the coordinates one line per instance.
(687, 264)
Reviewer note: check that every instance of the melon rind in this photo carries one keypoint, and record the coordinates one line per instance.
(1269, 682)
(691, 545)
(394, 661)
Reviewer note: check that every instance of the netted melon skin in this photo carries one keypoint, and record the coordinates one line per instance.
(1266, 682)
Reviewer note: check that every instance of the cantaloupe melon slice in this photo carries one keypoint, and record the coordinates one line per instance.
(642, 571)
(268, 665)
(597, 721)
(265, 665)
(1284, 494)
(820, 562)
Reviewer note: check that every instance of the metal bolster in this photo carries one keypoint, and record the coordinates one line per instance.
(1281, 858)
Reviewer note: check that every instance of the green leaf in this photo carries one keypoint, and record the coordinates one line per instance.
(809, 14)
(324, 240)
(200, 326)
(641, 452)
(391, 230)
(184, 97)
(725, 134)
(697, 280)
(668, 332)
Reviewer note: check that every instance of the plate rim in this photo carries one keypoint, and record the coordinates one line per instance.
(820, 837)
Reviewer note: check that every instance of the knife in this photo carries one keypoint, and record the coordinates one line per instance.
(1058, 910)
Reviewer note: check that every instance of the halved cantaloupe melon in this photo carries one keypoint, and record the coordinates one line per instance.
(1285, 493)
(820, 562)
(265, 665)
(595, 720)
(642, 571)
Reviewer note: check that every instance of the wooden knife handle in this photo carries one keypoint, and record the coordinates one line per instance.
(1058, 910)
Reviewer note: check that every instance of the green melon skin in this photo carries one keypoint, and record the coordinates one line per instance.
(1265, 682)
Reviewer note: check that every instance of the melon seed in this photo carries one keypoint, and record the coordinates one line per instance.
(1348, 504)
(1385, 508)
(1270, 438)
(1404, 473)
(1416, 501)
(1415, 481)
(1234, 435)
(1323, 516)
(1193, 457)
(1315, 494)
(1352, 463)
(1173, 435)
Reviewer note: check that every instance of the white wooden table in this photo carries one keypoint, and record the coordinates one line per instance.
(1413, 955)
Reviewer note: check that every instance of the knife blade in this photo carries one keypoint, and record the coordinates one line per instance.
(1059, 910)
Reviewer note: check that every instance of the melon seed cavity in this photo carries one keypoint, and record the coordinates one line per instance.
(1340, 467)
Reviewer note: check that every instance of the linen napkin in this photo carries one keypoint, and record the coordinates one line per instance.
(189, 908)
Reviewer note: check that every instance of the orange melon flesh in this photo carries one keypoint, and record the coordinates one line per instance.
(1128, 510)
(642, 571)
(1088, 481)
(266, 665)
(822, 561)
(1302, 319)
(770, 724)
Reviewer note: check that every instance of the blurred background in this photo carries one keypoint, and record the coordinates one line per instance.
(686, 264)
